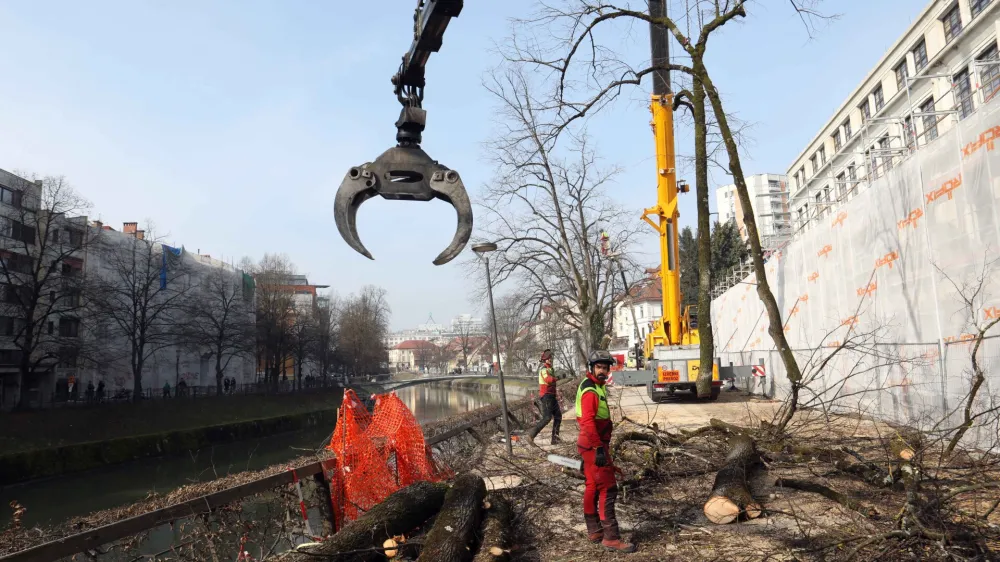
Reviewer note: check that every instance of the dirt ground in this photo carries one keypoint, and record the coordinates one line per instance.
(663, 513)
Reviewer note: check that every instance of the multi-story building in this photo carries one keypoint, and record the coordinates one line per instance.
(769, 199)
(642, 306)
(463, 324)
(942, 69)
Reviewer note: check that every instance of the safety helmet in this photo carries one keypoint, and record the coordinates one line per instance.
(546, 355)
(601, 356)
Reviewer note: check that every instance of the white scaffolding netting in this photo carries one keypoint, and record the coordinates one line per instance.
(880, 271)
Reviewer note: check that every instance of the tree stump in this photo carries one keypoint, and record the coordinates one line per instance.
(400, 513)
(453, 535)
(497, 534)
(731, 492)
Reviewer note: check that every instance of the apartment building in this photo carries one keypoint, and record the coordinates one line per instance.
(943, 68)
(769, 200)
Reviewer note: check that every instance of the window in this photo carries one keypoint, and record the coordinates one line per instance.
(902, 73)
(68, 357)
(69, 327)
(884, 145)
(841, 184)
(866, 112)
(879, 99)
(10, 326)
(822, 156)
(75, 237)
(962, 87)
(17, 230)
(930, 120)
(812, 163)
(977, 6)
(10, 356)
(836, 140)
(16, 263)
(847, 130)
(908, 134)
(773, 183)
(871, 164)
(852, 173)
(51, 326)
(802, 172)
(952, 21)
(10, 196)
(16, 294)
(70, 269)
(920, 55)
(989, 73)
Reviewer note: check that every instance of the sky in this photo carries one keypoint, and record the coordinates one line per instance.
(229, 124)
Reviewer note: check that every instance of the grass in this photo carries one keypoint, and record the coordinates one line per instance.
(22, 431)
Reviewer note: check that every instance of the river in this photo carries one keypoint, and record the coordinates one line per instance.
(57, 499)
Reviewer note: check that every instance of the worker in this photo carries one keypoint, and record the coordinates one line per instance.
(549, 400)
(594, 419)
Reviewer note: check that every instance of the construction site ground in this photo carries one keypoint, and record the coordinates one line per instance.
(660, 505)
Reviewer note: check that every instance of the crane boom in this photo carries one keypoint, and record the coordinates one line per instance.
(674, 327)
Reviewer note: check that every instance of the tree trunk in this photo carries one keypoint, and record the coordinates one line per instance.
(218, 374)
(497, 531)
(704, 381)
(399, 513)
(454, 531)
(775, 326)
(137, 381)
(731, 492)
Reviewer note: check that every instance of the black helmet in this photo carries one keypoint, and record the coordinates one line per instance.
(601, 356)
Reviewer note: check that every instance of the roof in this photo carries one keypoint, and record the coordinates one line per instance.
(415, 344)
(647, 290)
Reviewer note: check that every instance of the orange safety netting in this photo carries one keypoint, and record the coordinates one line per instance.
(375, 455)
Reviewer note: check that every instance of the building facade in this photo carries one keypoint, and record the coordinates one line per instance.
(769, 198)
(943, 68)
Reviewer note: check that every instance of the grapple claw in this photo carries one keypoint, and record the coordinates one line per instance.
(404, 173)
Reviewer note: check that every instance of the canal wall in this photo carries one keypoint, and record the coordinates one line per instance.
(55, 461)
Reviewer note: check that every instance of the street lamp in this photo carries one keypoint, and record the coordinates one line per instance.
(484, 249)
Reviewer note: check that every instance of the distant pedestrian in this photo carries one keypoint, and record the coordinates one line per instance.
(166, 389)
(90, 391)
(225, 385)
(100, 391)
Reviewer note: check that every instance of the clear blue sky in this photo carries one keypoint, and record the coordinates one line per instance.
(230, 123)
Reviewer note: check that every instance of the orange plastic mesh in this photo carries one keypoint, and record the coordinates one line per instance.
(375, 455)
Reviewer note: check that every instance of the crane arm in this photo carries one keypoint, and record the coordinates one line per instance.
(430, 20)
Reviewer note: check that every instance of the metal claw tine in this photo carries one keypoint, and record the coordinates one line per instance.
(452, 190)
(352, 193)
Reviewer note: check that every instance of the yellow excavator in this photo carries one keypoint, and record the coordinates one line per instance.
(671, 349)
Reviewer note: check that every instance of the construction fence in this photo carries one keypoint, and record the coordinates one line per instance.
(885, 297)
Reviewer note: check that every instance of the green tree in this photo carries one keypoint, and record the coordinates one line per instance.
(728, 251)
(728, 248)
(689, 267)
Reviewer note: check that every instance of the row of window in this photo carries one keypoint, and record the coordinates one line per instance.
(952, 24)
(12, 326)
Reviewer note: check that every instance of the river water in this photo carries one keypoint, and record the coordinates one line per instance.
(57, 499)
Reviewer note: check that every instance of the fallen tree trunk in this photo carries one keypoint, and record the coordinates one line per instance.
(454, 532)
(399, 513)
(497, 532)
(827, 492)
(731, 492)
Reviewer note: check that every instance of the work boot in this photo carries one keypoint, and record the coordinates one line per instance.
(613, 539)
(595, 533)
(556, 440)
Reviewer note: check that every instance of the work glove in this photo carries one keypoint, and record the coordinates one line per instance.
(601, 458)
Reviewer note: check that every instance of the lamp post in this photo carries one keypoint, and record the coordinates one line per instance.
(483, 250)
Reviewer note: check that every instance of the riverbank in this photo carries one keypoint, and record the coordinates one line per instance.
(49, 443)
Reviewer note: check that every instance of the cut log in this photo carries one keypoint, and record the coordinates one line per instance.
(401, 512)
(497, 534)
(731, 495)
(453, 535)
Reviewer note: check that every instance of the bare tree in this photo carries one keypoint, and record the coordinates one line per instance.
(42, 241)
(513, 317)
(326, 322)
(303, 337)
(275, 308)
(465, 339)
(137, 293)
(220, 319)
(364, 324)
(546, 209)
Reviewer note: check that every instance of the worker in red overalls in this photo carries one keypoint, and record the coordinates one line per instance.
(549, 400)
(594, 445)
